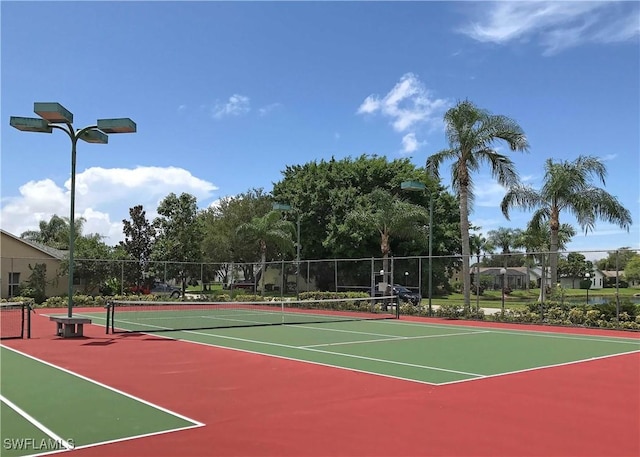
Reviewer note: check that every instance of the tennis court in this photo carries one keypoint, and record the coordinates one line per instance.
(338, 385)
(428, 353)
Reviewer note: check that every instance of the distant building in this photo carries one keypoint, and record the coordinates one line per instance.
(18, 255)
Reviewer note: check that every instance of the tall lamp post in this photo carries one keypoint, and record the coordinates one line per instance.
(503, 272)
(51, 115)
(416, 186)
(587, 278)
(284, 207)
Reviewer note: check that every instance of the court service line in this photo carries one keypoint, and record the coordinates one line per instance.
(544, 367)
(397, 338)
(39, 425)
(537, 333)
(287, 346)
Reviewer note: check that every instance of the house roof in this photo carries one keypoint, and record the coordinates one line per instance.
(53, 252)
(612, 273)
(511, 271)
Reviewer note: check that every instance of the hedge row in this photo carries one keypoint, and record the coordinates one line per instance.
(602, 316)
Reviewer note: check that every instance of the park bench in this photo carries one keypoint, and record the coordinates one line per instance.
(69, 327)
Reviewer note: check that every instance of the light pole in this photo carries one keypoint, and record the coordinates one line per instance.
(52, 114)
(284, 207)
(503, 272)
(416, 186)
(587, 278)
(406, 278)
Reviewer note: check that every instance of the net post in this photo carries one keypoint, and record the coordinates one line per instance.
(28, 311)
(107, 306)
(22, 319)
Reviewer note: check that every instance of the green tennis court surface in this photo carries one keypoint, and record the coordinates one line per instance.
(47, 409)
(428, 353)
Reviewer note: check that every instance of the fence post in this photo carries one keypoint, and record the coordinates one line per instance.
(617, 288)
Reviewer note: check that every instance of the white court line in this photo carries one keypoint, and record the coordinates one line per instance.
(287, 346)
(195, 423)
(525, 370)
(39, 425)
(397, 338)
(537, 333)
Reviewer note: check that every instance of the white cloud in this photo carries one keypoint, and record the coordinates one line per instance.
(103, 198)
(555, 25)
(410, 143)
(236, 106)
(269, 108)
(406, 104)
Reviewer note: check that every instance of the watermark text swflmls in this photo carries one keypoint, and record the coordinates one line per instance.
(33, 444)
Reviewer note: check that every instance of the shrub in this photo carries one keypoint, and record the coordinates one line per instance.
(450, 311)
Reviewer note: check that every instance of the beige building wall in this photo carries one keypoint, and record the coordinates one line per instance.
(16, 257)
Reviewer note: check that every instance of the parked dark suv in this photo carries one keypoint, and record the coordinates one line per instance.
(406, 295)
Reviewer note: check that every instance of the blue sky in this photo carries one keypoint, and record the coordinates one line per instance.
(227, 94)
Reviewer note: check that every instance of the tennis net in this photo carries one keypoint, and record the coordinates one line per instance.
(157, 316)
(15, 320)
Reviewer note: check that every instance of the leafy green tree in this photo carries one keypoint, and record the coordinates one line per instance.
(93, 262)
(632, 269)
(266, 230)
(567, 187)
(221, 242)
(35, 287)
(388, 216)
(326, 191)
(471, 133)
(575, 267)
(617, 259)
(178, 236)
(139, 236)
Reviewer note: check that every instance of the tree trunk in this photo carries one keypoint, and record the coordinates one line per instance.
(464, 238)
(553, 246)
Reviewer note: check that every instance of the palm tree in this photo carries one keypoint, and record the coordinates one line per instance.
(567, 187)
(471, 133)
(505, 238)
(54, 233)
(267, 230)
(391, 217)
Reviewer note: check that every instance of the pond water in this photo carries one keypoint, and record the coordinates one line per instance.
(598, 300)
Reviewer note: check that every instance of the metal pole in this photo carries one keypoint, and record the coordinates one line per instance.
(420, 275)
(503, 295)
(72, 229)
(430, 251)
(617, 287)
(298, 259)
(478, 283)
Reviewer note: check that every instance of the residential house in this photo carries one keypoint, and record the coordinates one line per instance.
(514, 277)
(598, 281)
(19, 256)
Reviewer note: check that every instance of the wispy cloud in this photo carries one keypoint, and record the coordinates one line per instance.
(555, 25)
(236, 106)
(269, 108)
(407, 105)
